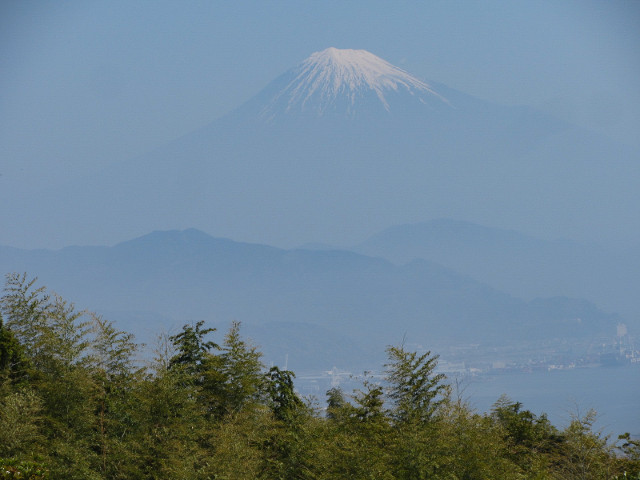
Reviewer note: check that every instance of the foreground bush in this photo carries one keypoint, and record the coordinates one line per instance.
(75, 404)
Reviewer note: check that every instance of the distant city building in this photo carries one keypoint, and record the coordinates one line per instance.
(621, 330)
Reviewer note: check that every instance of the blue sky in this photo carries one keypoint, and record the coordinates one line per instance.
(84, 84)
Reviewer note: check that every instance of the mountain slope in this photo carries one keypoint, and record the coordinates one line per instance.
(519, 264)
(350, 301)
(345, 144)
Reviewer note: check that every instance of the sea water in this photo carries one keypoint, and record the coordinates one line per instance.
(613, 392)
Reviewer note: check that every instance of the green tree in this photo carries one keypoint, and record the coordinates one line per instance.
(54, 336)
(417, 394)
(286, 451)
(20, 419)
(283, 399)
(359, 436)
(233, 378)
(586, 454)
(630, 461)
(24, 307)
(168, 419)
(532, 441)
(242, 446)
(192, 350)
(414, 388)
(336, 403)
(13, 362)
(114, 378)
(471, 446)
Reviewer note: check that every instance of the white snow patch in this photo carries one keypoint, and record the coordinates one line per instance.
(333, 72)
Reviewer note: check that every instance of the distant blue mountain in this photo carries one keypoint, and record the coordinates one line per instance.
(345, 144)
(323, 308)
(519, 264)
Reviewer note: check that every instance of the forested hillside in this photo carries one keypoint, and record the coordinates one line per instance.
(322, 308)
(77, 402)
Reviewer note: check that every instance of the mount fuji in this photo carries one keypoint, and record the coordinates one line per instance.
(341, 146)
(346, 144)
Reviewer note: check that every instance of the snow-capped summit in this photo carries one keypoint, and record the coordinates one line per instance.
(342, 80)
(346, 143)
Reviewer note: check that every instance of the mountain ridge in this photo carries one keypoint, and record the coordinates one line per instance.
(187, 276)
(522, 265)
(333, 178)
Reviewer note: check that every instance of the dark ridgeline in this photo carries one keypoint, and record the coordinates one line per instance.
(324, 308)
(519, 264)
(347, 142)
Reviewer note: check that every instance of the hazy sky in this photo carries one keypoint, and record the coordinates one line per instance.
(86, 83)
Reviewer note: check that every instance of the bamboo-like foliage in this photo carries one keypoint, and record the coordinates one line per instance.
(415, 389)
(76, 404)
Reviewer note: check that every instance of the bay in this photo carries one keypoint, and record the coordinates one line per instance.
(613, 392)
